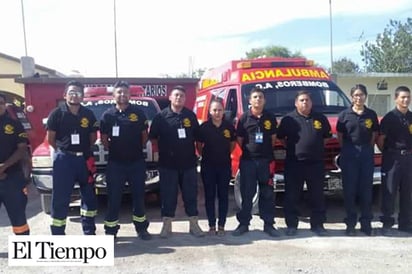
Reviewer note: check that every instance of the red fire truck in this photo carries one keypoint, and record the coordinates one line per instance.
(280, 78)
(42, 95)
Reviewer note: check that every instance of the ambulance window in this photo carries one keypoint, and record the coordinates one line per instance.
(231, 104)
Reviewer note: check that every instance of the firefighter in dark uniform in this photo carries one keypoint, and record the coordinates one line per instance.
(357, 129)
(304, 132)
(395, 142)
(123, 130)
(216, 140)
(174, 131)
(13, 191)
(256, 135)
(71, 131)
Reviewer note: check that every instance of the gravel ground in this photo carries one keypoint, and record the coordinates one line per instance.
(254, 252)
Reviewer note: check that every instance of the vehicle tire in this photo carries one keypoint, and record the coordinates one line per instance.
(238, 196)
(45, 200)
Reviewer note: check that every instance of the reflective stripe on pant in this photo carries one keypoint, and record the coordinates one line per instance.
(296, 173)
(117, 174)
(216, 179)
(68, 169)
(357, 178)
(396, 178)
(253, 172)
(170, 179)
(13, 194)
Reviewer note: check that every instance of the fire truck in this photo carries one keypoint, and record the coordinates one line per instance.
(280, 78)
(43, 95)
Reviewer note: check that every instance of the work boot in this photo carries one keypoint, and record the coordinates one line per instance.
(166, 228)
(195, 229)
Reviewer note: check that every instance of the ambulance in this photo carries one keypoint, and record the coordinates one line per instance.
(280, 78)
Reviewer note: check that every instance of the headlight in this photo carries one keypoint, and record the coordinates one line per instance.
(42, 161)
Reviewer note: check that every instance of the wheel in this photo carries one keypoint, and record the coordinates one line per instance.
(238, 196)
(46, 203)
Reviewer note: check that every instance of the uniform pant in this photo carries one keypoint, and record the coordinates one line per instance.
(253, 172)
(396, 173)
(357, 176)
(216, 179)
(296, 173)
(117, 174)
(13, 194)
(170, 180)
(68, 169)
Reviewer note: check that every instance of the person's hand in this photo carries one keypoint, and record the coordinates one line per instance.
(3, 175)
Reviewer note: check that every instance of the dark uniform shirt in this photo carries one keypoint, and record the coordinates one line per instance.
(304, 135)
(174, 151)
(356, 128)
(250, 127)
(217, 140)
(127, 145)
(397, 127)
(11, 134)
(65, 123)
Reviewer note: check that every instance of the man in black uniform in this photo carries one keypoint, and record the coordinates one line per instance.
(395, 142)
(256, 135)
(303, 132)
(13, 192)
(71, 131)
(124, 133)
(174, 131)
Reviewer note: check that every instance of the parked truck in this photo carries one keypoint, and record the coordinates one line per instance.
(43, 95)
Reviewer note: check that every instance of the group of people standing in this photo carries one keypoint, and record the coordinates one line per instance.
(71, 131)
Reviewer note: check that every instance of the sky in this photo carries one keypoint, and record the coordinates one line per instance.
(159, 38)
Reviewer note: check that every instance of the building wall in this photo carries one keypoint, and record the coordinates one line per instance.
(380, 100)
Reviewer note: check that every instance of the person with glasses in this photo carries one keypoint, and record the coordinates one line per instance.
(71, 131)
(395, 142)
(123, 130)
(13, 191)
(357, 130)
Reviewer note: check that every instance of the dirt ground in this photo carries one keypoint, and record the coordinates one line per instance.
(254, 252)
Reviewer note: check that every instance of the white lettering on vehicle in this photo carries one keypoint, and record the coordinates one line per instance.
(112, 102)
(286, 84)
(155, 90)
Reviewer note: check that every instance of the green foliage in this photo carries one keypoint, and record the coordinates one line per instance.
(345, 65)
(392, 50)
(272, 51)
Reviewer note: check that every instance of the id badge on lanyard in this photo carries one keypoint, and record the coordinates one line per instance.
(115, 131)
(75, 138)
(259, 137)
(181, 132)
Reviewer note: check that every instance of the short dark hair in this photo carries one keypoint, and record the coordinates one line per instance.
(256, 89)
(302, 92)
(74, 83)
(121, 84)
(217, 100)
(3, 96)
(359, 87)
(401, 88)
(179, 88)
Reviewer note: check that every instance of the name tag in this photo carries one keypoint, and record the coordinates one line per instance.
(75, 139)
(181, 132)
(259, 138)
(115, 130)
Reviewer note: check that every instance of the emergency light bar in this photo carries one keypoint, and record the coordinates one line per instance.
(274, 62)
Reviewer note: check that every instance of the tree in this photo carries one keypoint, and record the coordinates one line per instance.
(392, 51)
(345, 65)
(272, 51)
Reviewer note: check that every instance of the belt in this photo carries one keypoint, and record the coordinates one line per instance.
(74, 153)
(401, 151)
